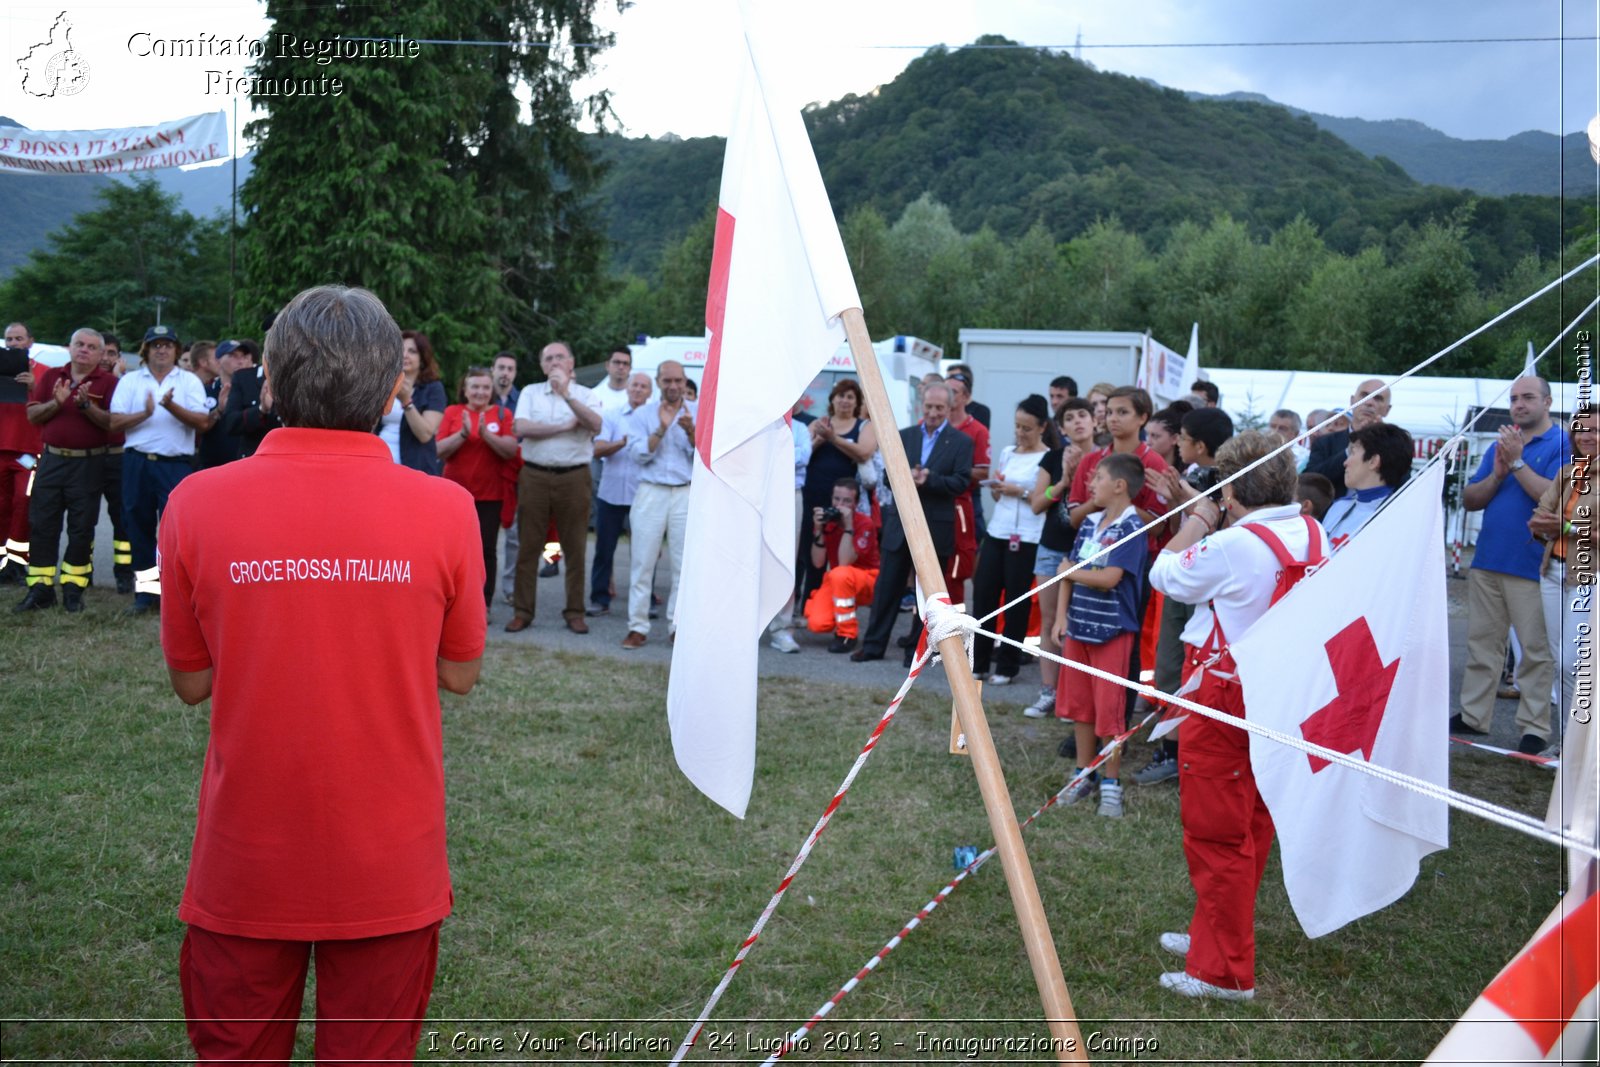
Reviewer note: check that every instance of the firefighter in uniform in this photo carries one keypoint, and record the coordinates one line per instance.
(69, 407)
(19, 450)
(159, 407)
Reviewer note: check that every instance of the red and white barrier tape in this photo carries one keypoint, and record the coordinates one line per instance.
(949, 887)
(1548, 762)
(748, 943)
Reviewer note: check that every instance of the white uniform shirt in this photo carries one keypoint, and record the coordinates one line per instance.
(161, 434)
(1233, 569)
(570, 448)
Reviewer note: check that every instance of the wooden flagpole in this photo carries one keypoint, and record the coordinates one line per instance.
(985, 762)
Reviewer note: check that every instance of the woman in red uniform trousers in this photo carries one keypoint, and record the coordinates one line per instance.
(1227, 832)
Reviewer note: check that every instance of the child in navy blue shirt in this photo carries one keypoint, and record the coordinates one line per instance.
(1097, 621)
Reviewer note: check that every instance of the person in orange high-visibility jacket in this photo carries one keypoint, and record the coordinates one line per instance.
(848, 547)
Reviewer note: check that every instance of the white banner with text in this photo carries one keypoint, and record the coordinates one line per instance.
(179, 143)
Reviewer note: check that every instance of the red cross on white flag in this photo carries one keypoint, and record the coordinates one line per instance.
(1356, 658)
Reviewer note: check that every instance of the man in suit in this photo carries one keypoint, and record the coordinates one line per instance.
(941, 464)
(1328, 452)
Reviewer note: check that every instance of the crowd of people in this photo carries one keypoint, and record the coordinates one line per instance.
(1084, 476)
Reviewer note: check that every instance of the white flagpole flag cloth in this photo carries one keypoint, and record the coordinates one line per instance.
(1355, 658)
(1541, 1008)
(1191, 367)
(779, 281)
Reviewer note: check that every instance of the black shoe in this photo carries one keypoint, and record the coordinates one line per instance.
(1531, 744)
(144, 604)
(550, 570)
(863, 655)
(1069, 746)
(72, 599)
(1458, 725)
(38, 598)
(11, 574)
(905, 642)
(842, 644)
(124, 584)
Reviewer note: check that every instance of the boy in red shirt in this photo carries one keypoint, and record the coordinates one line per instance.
(321, 812)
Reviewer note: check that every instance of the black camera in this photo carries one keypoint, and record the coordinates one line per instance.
(831, 515)
(1202, 479)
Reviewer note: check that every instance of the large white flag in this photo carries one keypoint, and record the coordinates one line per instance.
(779, 280)
(1542, 1007)
(1356, 658)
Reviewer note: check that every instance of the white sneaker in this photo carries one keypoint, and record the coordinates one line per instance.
(1042, 708)
(1110, 800)
(1177, 944)
(999, 679)
(1187, 985)
(784, 641)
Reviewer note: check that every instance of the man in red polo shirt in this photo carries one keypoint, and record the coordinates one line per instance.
(321, 810)
(69, 407)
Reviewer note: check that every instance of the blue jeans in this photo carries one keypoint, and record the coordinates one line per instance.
(608, 523)
(146, 484)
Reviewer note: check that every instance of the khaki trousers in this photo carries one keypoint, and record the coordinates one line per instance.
(543, 495)
(1495, 603)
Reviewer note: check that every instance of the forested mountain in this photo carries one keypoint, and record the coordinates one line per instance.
(1533, 162)
(1009, 138)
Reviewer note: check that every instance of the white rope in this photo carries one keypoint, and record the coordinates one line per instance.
(1304, 436)
(944, 620)
(1514, 820)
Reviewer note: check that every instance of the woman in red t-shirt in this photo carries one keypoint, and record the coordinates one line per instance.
(476, 444)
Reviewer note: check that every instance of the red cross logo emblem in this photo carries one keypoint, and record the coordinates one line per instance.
(1349, 722)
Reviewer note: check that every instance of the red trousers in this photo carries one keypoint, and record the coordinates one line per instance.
(14, 482)
(963, 561)
(831, 608)
(242, 995)
(1227, 834)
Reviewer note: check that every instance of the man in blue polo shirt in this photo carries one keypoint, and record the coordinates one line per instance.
(1503, 585)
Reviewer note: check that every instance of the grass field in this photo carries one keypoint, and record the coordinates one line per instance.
(597, 892)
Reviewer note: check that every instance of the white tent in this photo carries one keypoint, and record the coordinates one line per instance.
(1426, 407)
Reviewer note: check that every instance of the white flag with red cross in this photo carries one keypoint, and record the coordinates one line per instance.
(779, 281)
(1356, 658)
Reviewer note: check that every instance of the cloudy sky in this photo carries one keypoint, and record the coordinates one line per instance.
(669, 70)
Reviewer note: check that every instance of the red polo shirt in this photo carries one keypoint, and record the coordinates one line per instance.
(69, 427)
(475, 465)
(980, 446)
(320, 580)
(1145, 499)
(17, 434)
